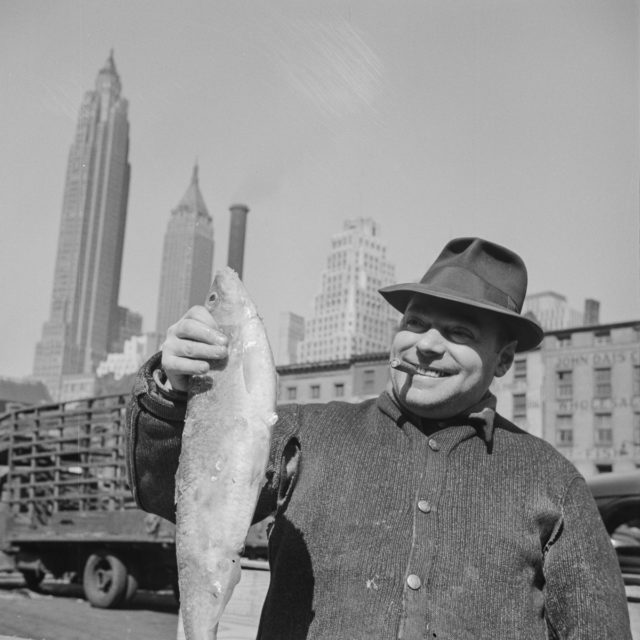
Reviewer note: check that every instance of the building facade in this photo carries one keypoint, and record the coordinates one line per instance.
(129, 325)
(552, 311)
(84, 317)
(592, 392)
(519, 393)
(350, 317)
(187, 257)
(349, 379)
(136, 351)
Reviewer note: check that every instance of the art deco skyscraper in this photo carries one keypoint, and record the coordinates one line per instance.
(187, 257)
(350, 316)
(84, 313)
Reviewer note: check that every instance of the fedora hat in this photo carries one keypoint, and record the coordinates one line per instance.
(476, 273)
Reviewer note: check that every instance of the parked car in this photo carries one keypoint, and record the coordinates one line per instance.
(618, 498)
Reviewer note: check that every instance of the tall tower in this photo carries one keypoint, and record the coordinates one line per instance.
(187, 257)
(350, 316)
(84, 313)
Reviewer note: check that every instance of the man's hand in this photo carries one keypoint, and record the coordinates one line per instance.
(191, 344)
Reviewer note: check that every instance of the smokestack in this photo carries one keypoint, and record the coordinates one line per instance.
(237, 229)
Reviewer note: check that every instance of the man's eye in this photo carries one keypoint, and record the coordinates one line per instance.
(413, 324)
(460, 334)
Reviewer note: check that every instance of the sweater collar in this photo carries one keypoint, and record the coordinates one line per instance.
(480, 416)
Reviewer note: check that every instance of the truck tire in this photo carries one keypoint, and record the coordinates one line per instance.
(132, 586)
(33, 578)
(105, 580)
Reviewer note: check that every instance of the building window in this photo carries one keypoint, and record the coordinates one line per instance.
(636, 429)
(292, 393)
(315, 391)
(603, 432)
(564, 384)
(604, 468)
(369, 381)
(519, 405)
(563, 340)
(520, 369)
(564, 431)
(602, 382)
(602, 337)
(338, 389)
(636, 380)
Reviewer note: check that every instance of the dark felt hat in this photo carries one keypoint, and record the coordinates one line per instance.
(476, 273)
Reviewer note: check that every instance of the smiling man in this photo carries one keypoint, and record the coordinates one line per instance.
(421, 513)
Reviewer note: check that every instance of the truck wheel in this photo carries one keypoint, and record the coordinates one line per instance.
(105, 580)
(132, 587)
(33, 578)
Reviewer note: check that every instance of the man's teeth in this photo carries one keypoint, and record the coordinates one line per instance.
(431, 373)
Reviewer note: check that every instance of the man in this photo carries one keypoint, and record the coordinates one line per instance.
(422, 513)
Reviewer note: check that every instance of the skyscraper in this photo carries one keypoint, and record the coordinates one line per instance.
(187, 257)
(290, 335)
(350, 317)
(83, 318)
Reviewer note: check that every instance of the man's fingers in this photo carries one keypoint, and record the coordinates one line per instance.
(189, 350)
(192, 329)
(184, 366)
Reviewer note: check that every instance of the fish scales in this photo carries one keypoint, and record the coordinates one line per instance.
(225, 448)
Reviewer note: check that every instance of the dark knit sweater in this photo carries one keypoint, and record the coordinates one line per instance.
(385, 528)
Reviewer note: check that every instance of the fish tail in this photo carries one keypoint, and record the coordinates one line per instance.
(180, 633)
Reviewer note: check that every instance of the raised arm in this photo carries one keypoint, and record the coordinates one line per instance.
(155, 415)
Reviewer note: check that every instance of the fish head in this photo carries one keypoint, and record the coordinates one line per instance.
(228, 300)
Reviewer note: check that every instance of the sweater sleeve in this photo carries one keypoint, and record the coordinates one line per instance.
(154, 425)
(584, 592)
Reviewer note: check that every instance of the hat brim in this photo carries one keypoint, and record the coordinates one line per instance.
(528, 333)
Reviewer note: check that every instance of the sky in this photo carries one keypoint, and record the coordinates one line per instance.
(513, 120)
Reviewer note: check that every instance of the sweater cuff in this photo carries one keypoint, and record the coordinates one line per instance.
(155, 394)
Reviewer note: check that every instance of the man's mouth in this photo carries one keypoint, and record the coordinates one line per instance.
(414, 369)
(430, 372)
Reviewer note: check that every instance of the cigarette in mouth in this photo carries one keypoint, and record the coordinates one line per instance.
(402, 366)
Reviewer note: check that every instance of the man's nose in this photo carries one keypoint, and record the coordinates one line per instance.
(431, 341)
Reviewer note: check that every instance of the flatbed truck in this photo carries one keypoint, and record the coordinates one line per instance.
(66, 507)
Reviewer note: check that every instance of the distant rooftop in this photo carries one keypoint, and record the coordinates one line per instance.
(23, 391)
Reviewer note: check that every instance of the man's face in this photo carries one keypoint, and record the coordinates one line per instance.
(457, 352)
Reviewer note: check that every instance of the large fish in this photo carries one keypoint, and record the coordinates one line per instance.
(225, 447)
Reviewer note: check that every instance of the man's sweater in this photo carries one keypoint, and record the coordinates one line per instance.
(385, 527)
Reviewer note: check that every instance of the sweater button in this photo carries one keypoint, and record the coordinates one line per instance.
(413, 581)
(424, 506)
(433, 444)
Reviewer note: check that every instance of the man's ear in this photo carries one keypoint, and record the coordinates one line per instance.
(505, 358)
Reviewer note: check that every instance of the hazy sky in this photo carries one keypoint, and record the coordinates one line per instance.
(515, 120)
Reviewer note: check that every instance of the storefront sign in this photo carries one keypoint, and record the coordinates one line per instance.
(597, 359)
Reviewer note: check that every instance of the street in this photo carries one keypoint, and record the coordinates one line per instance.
(61, 613)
